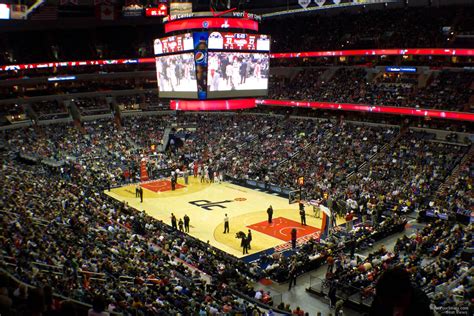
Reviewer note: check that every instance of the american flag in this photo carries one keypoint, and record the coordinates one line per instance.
(44, 13)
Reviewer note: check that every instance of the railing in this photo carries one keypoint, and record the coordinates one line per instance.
(81, 305)
(378, 154)
(277, 297)
(360, 299)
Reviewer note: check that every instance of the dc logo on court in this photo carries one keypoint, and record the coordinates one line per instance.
(208, 205)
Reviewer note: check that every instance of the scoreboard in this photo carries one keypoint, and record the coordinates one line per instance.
(172, 44)
(239, 41)
(212, 65)
(161, 10)
(212, 55)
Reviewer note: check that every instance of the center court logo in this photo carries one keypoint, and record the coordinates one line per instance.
(208, 205)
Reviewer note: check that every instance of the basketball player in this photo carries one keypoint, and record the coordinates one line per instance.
(293, 238)
(303, 217)
(206, 173)
(257, 71)
(245, 245)
(228, 72)
(181, 225)
(195, 169)
(186, 175)
(173, 221)
(202, 174)
(214, 81)
(270, 214)
(226, 224)
(221, 176)
(186, 223)
(249, 239)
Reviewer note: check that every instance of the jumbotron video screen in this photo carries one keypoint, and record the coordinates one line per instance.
(212, 65)
(236, 74)
(176, 76)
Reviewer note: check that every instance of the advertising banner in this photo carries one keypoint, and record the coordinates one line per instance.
(200, 58)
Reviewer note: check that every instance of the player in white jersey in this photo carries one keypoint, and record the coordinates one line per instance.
(221, 176)
(206, 172)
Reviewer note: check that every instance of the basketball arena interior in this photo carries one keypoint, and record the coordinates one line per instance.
(236, 157)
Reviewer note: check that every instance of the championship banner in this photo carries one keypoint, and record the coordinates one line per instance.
(132, 11)
(326, 5)
(220, 5)
(180, 7)
(320, 2)
(304, 3)
(65, 2)
(105, 12)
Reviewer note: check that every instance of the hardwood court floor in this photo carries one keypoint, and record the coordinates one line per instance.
(207, 203)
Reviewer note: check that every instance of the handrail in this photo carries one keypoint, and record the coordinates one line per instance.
(61, 266)
(54, 294)
(258, 303)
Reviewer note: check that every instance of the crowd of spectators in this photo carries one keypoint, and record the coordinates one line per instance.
(152, 102)
(456, 198)
(406, 174)
(10, 113)
(276, 142)
(432, 256)
(338, 150)
(92, 106)
(69, 227)
(87, 106)
(129, 102)
(444, 89)
(396, 28)
(274, 149)
(295, 88)
(312, 254)
(386, 28)
(59, 232)
(448, 90)
(79, 86)
(145, 131)
(49, 110)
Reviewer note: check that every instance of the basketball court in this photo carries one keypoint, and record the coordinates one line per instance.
(207, 203)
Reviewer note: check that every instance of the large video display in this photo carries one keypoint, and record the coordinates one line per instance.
(4, 11)
(176, 76)
(236, 74)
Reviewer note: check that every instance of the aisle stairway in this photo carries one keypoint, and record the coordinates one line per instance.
(165, 140)
(454, 175)
(380, 153)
